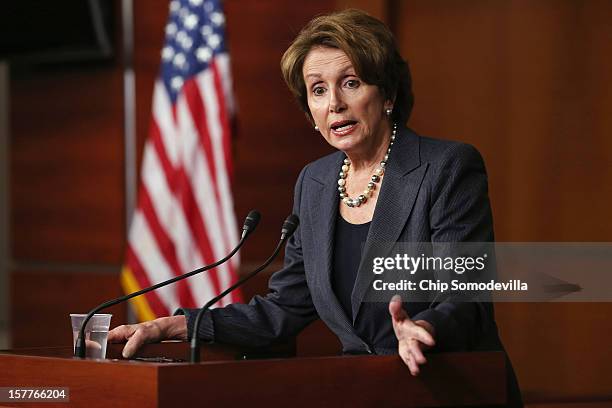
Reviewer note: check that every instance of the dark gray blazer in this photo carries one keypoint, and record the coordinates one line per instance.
(433, 191)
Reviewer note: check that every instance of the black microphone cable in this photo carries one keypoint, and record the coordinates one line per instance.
(289, 227)
(250, 223)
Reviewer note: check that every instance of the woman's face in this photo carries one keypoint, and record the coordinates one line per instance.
(349, 113)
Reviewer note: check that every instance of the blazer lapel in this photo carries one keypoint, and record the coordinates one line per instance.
(324, 201)
(400, 186)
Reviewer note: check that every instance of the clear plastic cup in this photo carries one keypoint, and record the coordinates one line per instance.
(96, 333)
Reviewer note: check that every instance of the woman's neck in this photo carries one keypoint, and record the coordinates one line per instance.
(369, 158)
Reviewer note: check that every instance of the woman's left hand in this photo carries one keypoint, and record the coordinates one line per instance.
(413, 337)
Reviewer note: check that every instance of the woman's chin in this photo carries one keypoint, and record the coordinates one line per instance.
(346, 143)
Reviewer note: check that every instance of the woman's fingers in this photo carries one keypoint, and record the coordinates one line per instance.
(92, 345)
(121, 333)
(415, 350)
(147, 332)
(397, 312)
(408, 330)
(408, 359)
(419, 333)
(413, 337)
(413, 366)
(399, 317)
(136, 335)
(172, 327)
(134, 343)
(411, 354)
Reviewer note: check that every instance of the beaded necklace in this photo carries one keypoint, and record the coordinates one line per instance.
(374, 180)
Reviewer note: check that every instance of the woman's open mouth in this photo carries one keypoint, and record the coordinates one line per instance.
(343, 127)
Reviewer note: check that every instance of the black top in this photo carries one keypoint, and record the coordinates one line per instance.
(348, 245)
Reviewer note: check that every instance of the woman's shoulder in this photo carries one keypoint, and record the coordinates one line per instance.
(435, 148)
(436, 151)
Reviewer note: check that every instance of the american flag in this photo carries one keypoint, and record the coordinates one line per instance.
(184, 218)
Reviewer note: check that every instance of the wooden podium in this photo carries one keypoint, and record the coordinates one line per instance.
(448, 379)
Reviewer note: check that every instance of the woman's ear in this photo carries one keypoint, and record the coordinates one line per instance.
(388, 107)
(389, 103)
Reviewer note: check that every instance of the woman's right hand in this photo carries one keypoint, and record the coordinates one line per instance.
(163, 328)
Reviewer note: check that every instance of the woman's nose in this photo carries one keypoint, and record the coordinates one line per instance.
(336, 102)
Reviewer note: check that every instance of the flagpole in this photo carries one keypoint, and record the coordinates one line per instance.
(129, 119)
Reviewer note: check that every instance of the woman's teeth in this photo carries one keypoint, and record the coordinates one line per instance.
(344, 127)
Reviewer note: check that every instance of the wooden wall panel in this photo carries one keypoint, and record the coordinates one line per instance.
(149, 22)
(67, 165)
(377, 8)
(44, 300)
(67, 205)
(528, 83)
(560, 351)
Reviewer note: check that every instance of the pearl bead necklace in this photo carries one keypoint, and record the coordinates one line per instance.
(369, 191)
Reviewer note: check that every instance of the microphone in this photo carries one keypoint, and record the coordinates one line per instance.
(250, 223)
(289, 227)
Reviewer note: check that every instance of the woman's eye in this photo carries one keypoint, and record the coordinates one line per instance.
(318, 91)
(352, 83)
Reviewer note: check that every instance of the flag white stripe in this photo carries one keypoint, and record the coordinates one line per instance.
(172, 219)
(162, 113)
(223, 64)
(206, 85)
(146, 250)
(202, 287)
(194, 160)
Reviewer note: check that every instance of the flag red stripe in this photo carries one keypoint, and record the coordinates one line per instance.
(196, 224)
(166, 247)
(198, 113)
(143, 281)
(197, 109)
(169, 171)
(223, 120)
(179, 183)
(227, 153)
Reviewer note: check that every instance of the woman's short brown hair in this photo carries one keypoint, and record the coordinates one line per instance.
(369, 45)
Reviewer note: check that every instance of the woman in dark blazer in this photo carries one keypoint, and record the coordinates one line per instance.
(385, 185)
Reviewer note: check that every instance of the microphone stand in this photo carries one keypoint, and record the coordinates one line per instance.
(80, 349)
(289, 227)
